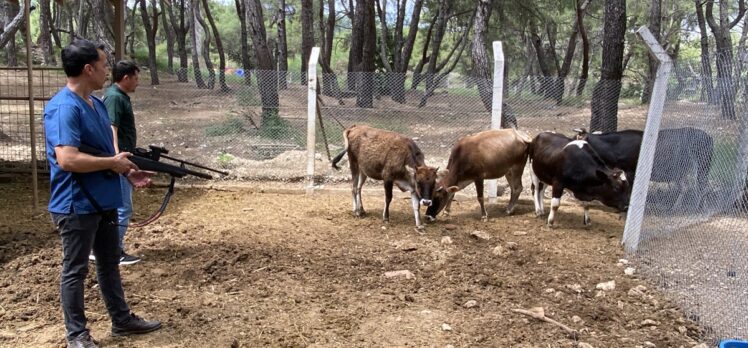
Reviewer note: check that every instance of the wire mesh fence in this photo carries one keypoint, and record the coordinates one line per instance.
(15, 131)
(695, 227)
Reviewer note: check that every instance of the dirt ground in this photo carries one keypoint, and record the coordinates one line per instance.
(251, 266)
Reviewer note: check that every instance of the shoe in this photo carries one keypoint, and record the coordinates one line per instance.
(127, 259)
(91, 257)
(135, 325)
(83, 340)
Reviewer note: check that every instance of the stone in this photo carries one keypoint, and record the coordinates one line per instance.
(446, 240)
(606, 286)
(649, 322)
(470, 304)
(446, 327)
(629, 271)
(498, 250)
(511, 245)
(584, 345)
(402, 273)
(480, 235)
(450, 227)
(520, 233)
(576, 319)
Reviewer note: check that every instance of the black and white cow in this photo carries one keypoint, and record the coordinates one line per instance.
(682, 155)
(573, 165)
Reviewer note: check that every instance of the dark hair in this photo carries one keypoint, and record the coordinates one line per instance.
(124, 68)
(77, 54)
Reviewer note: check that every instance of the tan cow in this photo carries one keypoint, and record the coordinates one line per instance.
(392, 158)
(487, 155)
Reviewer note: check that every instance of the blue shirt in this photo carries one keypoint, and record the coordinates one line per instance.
(70, 121)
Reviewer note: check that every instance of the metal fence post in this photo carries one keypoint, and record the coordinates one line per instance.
(311, 125)
(631, 234)
(496, 104)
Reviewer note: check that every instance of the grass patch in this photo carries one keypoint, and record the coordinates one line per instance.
(230, 126)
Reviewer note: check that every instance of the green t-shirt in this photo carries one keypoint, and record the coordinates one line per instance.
(119, 108)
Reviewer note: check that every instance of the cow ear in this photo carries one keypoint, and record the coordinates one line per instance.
(411, 171)
(601, 175)
(453, 189)
(440, 174)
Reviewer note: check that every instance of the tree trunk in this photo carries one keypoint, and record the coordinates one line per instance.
(266, 75)
(307, 35)
(441, 25)
(655, 26)
(102, 29)
(403, 49)
(365, 96)
(45, 37)
(605, 96)
(169, 34)
(283, 46)
(241, 11)
(424, 56)
(180, 31)
(130, 37)
(56, 24)
(481, 67)
(724, 53)
(151, 28)
(583, 75)
(219, 47)
(327, 31)
(8, 35)
(355, 54)
(196, 36)
(206, 47)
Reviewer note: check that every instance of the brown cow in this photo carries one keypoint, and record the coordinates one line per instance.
(392, 158)
(486, 155)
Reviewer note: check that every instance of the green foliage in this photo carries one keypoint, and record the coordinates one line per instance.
(224, 159)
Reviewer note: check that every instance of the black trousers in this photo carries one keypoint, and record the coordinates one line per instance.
(80, 234)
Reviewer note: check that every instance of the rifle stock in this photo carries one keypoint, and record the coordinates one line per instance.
(149, 160)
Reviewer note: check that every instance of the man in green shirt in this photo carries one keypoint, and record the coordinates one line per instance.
(118, 106)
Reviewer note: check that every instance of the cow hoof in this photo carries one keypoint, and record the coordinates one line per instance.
(587, 221)
(420, 227)
(359, 213)
(509, 212)
(484, 218)
(539, 213)
(430, 218)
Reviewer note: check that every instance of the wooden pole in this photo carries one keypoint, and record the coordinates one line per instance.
(32, 118)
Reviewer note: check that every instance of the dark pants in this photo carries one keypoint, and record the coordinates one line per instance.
(79, 234)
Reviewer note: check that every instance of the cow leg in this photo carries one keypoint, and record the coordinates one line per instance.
(448, 207)
(537, 195)
(557, 191)
(359, 211)
(387, 199)
(479, 190)
(354, 187)
(514, 177)
(586, 220)
(416, 203)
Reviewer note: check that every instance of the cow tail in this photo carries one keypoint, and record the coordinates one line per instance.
(342, 153)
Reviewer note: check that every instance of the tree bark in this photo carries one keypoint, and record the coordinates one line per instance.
(283, 44)
(241, 11)
(56, 24)
(608, 89)
(180, 31)
(8, 35)
(169, 34)
(424, 56)
(45, 36)
(266, 75)
(655, 26)
(196, 38)
(723, 40)
(403, 49)
(219, 47)
(365, 96)
(102, 29)
(441, 25)
(355, 54)
(583, 75)
(206, 46)
(481, 67)
(307, 35)
(151, 28)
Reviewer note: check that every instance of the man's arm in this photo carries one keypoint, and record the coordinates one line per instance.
(116, 140)
(71, 159)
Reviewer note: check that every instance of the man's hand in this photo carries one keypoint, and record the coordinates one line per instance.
(140, 178)
(121, 164)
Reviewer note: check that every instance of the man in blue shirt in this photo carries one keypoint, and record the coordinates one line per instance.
(85, 193)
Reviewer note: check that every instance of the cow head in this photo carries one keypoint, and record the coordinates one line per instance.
(423, 178)
(617, 188)
(442, 195)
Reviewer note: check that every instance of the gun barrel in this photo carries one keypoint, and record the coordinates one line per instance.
(195, 165)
